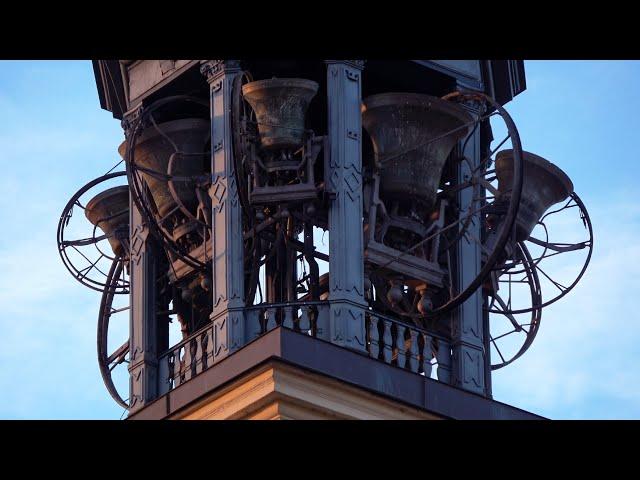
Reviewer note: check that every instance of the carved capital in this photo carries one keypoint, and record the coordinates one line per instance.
(130, 119)
(213, 69)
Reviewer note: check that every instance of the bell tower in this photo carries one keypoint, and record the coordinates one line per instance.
(336, 239)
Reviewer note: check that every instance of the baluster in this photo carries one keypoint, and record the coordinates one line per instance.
(401, 346)
(303, 322)
(271, 318)
(443, 356)
(373, 336)
(428, 355)
(253, 324)
(387, 341)
(197, 357)
(177, 376)
(163, 375)
(412, 350)
(186, 362)
(420, 342)
(204, 348)
(322, 322)
(181, 365)
(287, 321)
(172, 368)
(210, 345)
(296, 312)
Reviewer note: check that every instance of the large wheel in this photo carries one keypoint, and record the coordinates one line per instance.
(84, 250)
(513, 299)
(560, 251)
(108, 310)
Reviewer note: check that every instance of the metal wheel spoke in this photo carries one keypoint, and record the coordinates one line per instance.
(559, 247)
(91, 267)
(83, 241)
(505, 334)
(566, 206)
(497, 349)
(118, 310)
(506, 313)
(492, 153)
(558, 285)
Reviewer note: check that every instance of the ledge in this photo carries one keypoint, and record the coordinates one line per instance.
(285, 346)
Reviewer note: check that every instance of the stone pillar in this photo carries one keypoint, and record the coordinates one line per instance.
(468, 352)
(227, 244)
(143, 326)
(343, 176)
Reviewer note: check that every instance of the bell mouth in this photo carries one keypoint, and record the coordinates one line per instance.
(109, 193)
(280, 106)
(412, 134)
(153, 151)
(543, 185)
(301, 83)
(423, 101)
(166, 128)
(539, 162)
(109, 210)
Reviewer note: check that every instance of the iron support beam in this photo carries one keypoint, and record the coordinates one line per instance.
(143, 328)
(227, 240)
(468, 352)
(343, 175)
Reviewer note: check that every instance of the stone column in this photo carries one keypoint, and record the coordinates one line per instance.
(227, 244)
(343, 176)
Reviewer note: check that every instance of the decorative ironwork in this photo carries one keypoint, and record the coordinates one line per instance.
(229, 195)
(388, 340)
(412, 240)
(88, 258)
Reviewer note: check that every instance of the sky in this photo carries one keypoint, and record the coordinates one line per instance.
(54, 138)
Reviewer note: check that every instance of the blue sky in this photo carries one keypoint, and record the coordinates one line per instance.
(54, 138)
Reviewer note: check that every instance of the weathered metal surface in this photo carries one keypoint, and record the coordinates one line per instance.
(544, 185)
(280, 105)
(109, 211)
(154, 149)
(467, 334)
(412, 137)
(143, 330)
(227, 253)
(86, 250)
(407, 285)
(346, 262)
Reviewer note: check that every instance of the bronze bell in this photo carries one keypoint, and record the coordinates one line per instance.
(280, 105)
(543, 185)
(153, 151)
(400, 124)
(109, 211)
